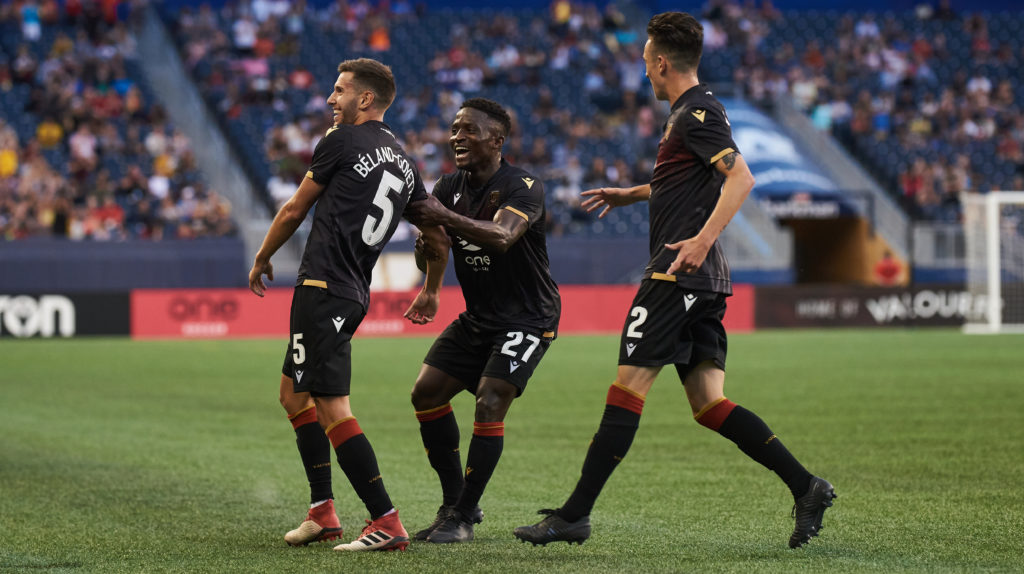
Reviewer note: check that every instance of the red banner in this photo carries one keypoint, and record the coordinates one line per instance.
(236, 313)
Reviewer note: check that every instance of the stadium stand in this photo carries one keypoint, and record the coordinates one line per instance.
(574, 80)
(86, 151)
(926, 100)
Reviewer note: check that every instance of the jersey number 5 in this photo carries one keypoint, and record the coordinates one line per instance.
(375, 229)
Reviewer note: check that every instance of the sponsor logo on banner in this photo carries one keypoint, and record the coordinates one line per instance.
(39, 315)
(845, 306)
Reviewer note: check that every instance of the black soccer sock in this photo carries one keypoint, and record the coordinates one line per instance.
(355, 455)
(440, 433)
(610, 445)
(757, 441)
(315, 451)
(484, 451)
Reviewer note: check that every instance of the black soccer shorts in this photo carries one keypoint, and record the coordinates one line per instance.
(319, 356)
(670, 325)
(468, 351)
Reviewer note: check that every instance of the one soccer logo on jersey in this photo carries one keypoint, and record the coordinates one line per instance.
(298, 375)
(339, 321)
(630, 347)
(512, 366)
(457, 197)
(467, 246)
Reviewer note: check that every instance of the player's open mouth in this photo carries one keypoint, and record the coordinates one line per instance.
(461, 152)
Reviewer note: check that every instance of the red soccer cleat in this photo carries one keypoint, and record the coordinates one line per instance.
(321, 524)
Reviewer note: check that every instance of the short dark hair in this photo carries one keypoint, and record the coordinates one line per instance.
(493, 110)
(371, 75)
(677, 36)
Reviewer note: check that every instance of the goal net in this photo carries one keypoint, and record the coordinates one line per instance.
(994, 241)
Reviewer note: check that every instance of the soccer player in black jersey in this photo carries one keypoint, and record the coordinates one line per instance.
(699, 182)
(493, 213)
(361, 181)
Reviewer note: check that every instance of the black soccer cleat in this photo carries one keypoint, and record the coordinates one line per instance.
(454, 528)
(442, 513)
(809, 509)
(554, 528)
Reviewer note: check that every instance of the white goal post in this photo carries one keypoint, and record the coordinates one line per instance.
(994, 259)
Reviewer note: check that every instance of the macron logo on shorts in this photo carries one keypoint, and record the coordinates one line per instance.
(630, 347)
(512, 366)
(298, 375)
(339, 321)
(689, 299)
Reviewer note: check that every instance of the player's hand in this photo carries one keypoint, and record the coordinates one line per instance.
(426, 249)
(423, 308)
(692, 253)
(426, 212)
(259, 269)
(607, 197)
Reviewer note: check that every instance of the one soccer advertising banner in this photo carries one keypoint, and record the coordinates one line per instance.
(233, 313)
(48, 315)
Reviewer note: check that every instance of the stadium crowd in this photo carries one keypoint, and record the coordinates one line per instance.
(877, 85)
(926, 101)
(96, 157)
(247, 60)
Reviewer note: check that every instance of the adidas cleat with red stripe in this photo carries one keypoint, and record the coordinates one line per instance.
(385, 533)
(321, 524)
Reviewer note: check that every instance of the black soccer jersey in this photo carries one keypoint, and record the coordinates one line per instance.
(369, 180)
(686, 186)
(503, 289)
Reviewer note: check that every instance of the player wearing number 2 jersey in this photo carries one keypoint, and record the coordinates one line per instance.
(493, 213)
(699, 182)
(361, 181)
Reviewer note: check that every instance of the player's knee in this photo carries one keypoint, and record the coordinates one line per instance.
(491, 406)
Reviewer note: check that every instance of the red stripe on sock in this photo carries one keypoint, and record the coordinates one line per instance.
(716, 415)
(489, 429)
(342, 430)
(434, 413)
(303, 417)
(620, 396)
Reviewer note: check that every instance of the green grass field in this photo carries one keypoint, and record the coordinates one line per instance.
(125, 456)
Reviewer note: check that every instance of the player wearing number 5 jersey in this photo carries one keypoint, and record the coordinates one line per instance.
(361, 181)
(493, 213)
(699, 182)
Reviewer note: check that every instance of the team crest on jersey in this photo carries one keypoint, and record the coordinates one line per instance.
(699, 114)
(668, 128)
(494, 197)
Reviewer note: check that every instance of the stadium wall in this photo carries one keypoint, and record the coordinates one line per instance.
(51, 265)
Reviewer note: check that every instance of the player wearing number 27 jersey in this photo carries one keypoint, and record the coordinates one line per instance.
(361, 182)
(493, 213)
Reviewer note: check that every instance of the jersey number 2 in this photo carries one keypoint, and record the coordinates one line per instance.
(641, 315)
(375, 229)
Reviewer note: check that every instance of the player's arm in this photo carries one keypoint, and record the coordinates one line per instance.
(287, 220)
(609, 197)
(738, 183)
(435, 240)
(508, 226)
